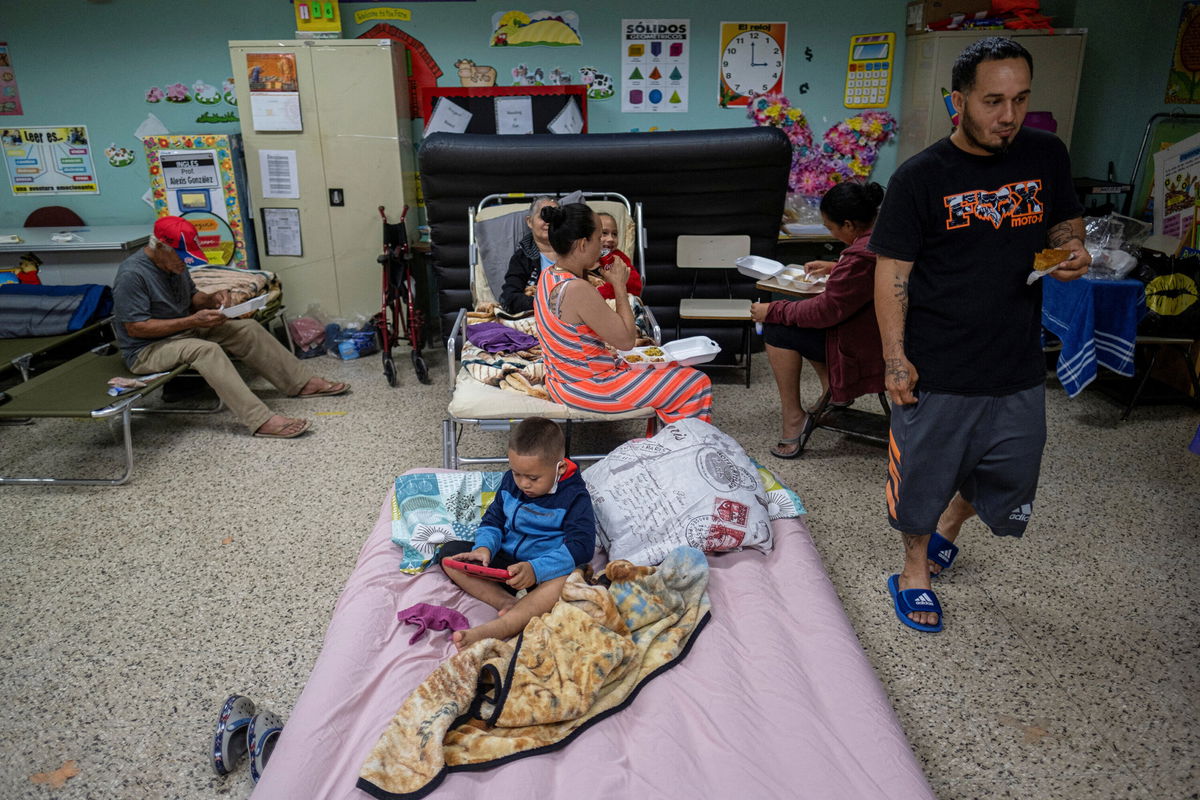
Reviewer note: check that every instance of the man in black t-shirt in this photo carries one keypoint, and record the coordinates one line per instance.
(956, 238)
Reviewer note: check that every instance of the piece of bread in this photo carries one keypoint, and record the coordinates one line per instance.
(1049, 258)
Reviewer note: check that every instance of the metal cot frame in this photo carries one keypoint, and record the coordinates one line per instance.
(78, 389)
(453, 425)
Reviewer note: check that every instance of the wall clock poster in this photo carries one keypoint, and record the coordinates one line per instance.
(751, 60)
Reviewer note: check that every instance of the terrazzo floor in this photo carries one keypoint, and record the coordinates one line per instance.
(1068, 668)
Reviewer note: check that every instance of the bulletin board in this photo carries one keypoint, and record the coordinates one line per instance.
(547, 102)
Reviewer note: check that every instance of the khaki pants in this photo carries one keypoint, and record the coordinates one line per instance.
(205, 349)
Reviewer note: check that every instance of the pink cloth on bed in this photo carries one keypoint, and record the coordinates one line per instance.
(433, 618)
(775, 700)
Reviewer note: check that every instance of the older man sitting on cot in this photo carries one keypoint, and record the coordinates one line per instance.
(164, 321)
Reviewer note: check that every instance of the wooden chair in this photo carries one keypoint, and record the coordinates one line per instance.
(849, 421)
(1181, 347)
(715, 253)
(54, 217)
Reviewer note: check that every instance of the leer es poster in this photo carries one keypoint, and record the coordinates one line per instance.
(49, 160)
(654, 65)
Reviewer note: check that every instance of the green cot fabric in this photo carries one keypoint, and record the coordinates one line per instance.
(75, 389)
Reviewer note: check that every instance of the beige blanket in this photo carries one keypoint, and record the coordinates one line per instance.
(585, 657)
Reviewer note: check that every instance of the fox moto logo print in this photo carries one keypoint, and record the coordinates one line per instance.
(1017, 202)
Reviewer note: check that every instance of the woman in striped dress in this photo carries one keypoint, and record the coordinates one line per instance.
(574, 324)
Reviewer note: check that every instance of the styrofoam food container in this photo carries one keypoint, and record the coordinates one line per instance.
(797, 277)
(793, 274)
(805, 229)
(685, 352)
(758, 267)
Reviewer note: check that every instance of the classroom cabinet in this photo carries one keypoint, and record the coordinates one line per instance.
(353, 153)
(929, 57)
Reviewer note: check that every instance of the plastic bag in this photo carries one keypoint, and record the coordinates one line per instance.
(308, 336)
(1114, 244)
(349, 339)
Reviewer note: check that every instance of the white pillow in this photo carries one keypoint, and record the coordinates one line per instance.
(690, 484)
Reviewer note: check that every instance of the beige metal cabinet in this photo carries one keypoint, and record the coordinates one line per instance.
(929, 57)
(356, 138)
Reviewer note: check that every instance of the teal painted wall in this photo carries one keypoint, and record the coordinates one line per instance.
(1124, 82)
(91, 63)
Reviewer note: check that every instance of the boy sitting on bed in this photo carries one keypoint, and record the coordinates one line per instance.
(539, 527)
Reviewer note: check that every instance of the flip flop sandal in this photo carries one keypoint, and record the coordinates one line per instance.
(229, 741)
(810, 422)
(283, 434)
(910, 600)
(261, 735)
(941, 551)
(332, 391)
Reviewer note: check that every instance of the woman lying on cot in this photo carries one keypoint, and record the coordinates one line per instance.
(575, 323)
(533, 254)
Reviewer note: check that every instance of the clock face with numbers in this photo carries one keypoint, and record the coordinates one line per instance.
(751, 63)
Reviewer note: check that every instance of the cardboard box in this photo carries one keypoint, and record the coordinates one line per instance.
(923, 12)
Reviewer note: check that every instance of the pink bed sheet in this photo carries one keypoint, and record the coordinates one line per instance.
(775, 699)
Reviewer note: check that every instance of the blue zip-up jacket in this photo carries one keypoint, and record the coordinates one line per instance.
(554, 532)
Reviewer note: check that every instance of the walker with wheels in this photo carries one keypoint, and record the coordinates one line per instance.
(400, 317)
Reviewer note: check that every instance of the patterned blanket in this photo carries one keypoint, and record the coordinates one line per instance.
(523, 370)
(429, 508)
(569, 668)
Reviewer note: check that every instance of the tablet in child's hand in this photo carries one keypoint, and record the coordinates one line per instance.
(478, 570)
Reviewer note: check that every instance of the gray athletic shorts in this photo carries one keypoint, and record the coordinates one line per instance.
(987, 448)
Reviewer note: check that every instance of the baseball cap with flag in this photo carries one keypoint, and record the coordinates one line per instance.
(180, 235)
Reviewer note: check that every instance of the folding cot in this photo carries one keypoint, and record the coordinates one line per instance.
(36, 319)
(19, 353)
(491, 408)
(79, 389)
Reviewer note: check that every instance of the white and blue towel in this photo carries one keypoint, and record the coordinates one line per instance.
(1097, 323)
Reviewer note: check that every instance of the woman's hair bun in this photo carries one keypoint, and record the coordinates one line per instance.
(874, 192)
(552, 214)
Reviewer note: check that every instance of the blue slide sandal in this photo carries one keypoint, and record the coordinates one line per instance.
(941, 551)
(229, 741)
(910, 600)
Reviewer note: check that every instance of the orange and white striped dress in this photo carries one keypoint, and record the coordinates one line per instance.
(582, 373)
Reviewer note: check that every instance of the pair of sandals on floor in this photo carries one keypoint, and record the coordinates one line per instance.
(942, 552)
(243, 730)
(296, 426)
(790, 448)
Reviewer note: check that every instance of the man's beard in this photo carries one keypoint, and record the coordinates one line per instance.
(971, 130)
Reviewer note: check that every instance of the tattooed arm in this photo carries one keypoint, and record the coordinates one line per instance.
(1068, 235)
(891, 309)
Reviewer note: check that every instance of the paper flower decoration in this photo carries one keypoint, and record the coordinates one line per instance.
(848, 149)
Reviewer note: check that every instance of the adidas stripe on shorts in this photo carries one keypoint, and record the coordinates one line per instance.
(988, 448)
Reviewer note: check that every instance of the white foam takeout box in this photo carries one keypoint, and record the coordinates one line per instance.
(764, 269)
(798, 279)
(758, 267)
(685, 352)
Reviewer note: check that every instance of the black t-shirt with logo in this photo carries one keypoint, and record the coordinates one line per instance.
(971, 226)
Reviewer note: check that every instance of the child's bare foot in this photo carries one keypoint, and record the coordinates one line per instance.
(500, 612)
(464, 639)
